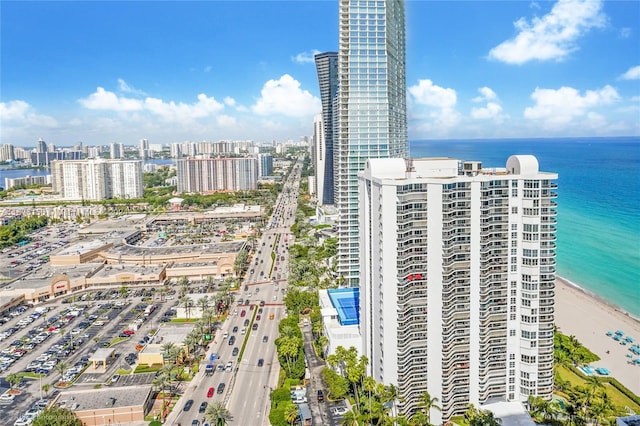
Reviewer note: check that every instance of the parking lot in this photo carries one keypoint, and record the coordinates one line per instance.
(52, 344)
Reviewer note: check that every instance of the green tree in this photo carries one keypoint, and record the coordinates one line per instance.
(56, 416)
(216, 413)
(291, 411)
(187, 304)
(61, 367)
(337, 384)
(13, 379)
(427, 404)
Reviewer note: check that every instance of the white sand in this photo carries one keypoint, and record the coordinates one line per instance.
(589, 318)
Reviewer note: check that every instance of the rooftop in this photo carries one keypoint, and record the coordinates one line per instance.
(111, 270)
(81, 247)
(42, 277)
(108, 397)
(174, 333)
(214, 248)
(510, 413)
(347, 304)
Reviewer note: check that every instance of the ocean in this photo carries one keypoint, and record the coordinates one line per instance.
(598, 205)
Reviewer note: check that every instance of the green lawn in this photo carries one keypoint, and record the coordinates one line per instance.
(616, 396)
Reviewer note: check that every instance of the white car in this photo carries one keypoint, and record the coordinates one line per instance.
(340, 411)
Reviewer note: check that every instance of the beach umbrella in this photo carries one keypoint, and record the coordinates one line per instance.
(629, 356)
(619, 332)
(630, 339)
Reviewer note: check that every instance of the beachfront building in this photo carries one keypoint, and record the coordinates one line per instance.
(370, 108)
(97, 179)
(206, 175)
(457, 280)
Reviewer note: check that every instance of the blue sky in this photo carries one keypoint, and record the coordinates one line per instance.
(118, 71)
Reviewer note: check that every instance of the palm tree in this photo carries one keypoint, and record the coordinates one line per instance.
(46, 388)
(167, 350)
(594, 383)
(351, 418)
(13, 379)
(161, 382)
(203, 304)
(186, 303)
(290, 411)
(61, 367)
(427, 404)
(216, 413)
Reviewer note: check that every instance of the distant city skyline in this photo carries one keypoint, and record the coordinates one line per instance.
(215, 70)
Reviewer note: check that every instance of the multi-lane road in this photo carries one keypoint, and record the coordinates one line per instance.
(251, 329)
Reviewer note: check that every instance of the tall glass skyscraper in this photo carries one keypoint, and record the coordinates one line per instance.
(371, 108)
(327, 68)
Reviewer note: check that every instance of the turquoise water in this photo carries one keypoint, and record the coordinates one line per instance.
(598, 205)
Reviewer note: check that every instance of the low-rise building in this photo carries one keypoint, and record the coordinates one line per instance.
(108, 405)
(340, 318)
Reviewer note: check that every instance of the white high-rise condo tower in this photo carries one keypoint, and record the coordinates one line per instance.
(457, 280)
(371, 108)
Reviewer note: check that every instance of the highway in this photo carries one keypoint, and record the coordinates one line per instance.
(258, 305)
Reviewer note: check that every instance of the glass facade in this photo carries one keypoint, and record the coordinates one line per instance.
(371, 108)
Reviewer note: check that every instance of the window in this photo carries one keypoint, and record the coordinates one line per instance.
(514, 209)
(512, 332)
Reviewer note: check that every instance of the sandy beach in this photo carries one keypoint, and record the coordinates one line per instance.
(589, 318)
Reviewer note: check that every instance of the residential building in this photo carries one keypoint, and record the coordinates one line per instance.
(327, 69)
(144, 152)
(203, 175)
(457, 280)
(117, 150)
(265, 165)
(97, 179)
(371, 108)
(26, 181)
(318, 158)
(7, 152)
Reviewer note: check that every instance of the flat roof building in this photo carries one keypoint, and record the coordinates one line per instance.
(108, 405)
(340, 316)
(457, 280)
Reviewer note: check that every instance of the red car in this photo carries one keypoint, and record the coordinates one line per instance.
(210, 393)
(258, 318)
(129, 332)
(243, 313)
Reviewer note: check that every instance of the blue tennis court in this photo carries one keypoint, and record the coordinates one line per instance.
(347, 303)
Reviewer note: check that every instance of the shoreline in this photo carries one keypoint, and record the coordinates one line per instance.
(598, 298)
(588, 317)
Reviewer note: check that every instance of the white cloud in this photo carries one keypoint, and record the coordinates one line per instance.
(229, 101)
(492, 110)
(208, 68)
(305, 57)
(171, 111)
(284, 96)
(557, 108)
(104, 100)
(632, 73)
(125, 88)
(438, 104)
(426, 93)
(486, 94)
(553, 36)
(20, 113)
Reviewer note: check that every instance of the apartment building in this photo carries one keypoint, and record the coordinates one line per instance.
(370, 108)
(97, 179)
(202, 175)
(457, 279)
